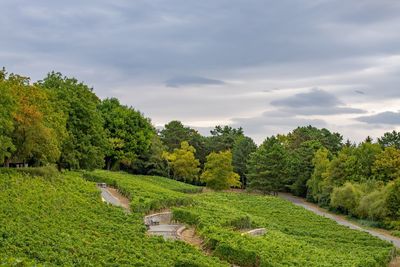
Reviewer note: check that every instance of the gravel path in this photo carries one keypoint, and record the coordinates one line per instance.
(112, 196)
(339, 219)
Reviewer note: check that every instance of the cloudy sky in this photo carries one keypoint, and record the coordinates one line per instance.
(268, 66)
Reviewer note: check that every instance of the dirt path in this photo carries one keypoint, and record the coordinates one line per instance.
(189, 236)
(112, 196)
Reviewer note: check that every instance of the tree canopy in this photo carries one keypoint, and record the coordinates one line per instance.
(218, 171)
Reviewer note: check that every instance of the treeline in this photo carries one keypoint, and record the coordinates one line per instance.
(360, 180)
(60, 121)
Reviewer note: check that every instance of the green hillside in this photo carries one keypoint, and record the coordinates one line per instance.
(61, 220)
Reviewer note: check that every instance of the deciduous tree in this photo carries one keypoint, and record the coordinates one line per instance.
(218, 171)
(183, 164)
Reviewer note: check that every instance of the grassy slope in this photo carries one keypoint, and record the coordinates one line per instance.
(62, 221)
(296, 237)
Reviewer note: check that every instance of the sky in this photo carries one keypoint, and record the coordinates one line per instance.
(268, 66)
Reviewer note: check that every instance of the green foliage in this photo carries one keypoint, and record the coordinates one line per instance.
(62, 222)
(294, 235)
(174, 133)
(242, 148)
(373, 205)
(85, 146)
(300, 166)
(37, 131)
(184, 165)
(386, 166)
(393, 199)
(331, 141)
(218, 171)
(153, 162)
(146, 193)
(390, 139)
(129, 134)
(267, 167)
(8, 106)
(31, 128)
(346, 198)
(223, 138)
(44, 171)
(318, 187)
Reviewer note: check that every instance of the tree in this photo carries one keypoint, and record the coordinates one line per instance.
(331, 141)
(33, 125)
(353, 163)
(242, 148)
(218, 171)
(174, 133)
(153, 161)
(86, 142)
(8, 106)
(267, 167)
(300, 166)
(128, 132)
(223, 138)
(184, 165)
(393, 199)
(318, 189)
(342, 167)
(386, 166)
(365, 154)
(390, 139)
(34, 139)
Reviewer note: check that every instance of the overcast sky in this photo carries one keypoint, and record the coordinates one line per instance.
(268, 66)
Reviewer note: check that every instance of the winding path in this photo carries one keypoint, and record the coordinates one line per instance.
(113, 197)
(340, 220)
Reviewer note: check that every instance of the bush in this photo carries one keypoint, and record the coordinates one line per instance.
(346, 198)
(393, 199)
(373, 205)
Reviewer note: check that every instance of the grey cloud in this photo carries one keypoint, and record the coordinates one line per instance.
(191, 80)
(315, 98)
(134, 47)
(387, 117)
(315, 102)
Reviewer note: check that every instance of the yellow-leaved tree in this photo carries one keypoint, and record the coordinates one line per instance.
(218, 171)
(184, 165)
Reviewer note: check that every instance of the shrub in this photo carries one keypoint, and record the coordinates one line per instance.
(393, 199)
(346, 198)
(373, 205)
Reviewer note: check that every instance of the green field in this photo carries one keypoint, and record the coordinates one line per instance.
(61, 220)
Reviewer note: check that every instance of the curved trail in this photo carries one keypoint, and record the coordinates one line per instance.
(113, 197)
(339, 219)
